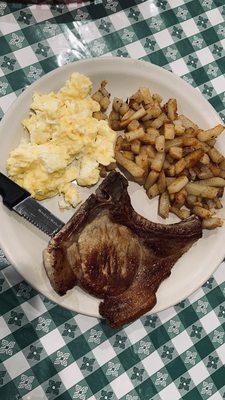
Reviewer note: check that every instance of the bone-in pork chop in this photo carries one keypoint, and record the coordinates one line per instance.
(115, 254)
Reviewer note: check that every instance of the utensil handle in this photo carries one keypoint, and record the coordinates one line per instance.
(11, 193)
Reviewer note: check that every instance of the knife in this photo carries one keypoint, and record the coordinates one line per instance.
(19, 200)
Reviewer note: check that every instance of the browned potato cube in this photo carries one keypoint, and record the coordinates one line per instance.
(176, 152)
(169, 130)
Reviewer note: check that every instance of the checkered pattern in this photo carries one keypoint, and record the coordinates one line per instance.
(48, 352)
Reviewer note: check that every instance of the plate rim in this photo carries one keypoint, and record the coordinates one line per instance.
(119, 60)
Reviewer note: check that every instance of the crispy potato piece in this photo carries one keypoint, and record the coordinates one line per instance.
(152, 112)
(205, 159)
(166, 164)
(172, 109)
(216, 182)
(134, 105)
(222, 164)
(164, 205)
(129, 165)
(176, 152)
(157, 97)
(212, 223)
(169, 131)
(104, 103)
(211, 142)
(209, 134)
(192, 173)
(133, 125)
(136, 115)
(215, 169)
(180, 166)
(180, 198)
(158, 161)
(190, 141)
(180, 213)
(151, 179)
(171, 170)
(114, 116)
(215, 155)
(136, 146)
(191, 200)
(202, 212)
(117, 103)
(222, 174)
(119, 142)
(160, 144)
(158, 122)
(115, 125)
(127, 115)
(151, 135)
(201, 190)
(178, 184)
(162, 182)
(218, 204)
(179, 129)
(153, 191)
(125, 145)
(186, 122)
(142, 161)
(174, 142)
(192, 158)
(124, 109)
(220, 192)
(136, 134)
(146, 95)
(149, 150)
(204, 173)
(129, 155)
(100, 116)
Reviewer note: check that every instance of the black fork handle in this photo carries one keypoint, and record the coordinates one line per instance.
(11, 193)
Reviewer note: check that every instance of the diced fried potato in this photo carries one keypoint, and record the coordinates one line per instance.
(202, 212)
(162, 182)
(180, 198)
(205, 159)
(209, 134)
(129, 155)
(189, 141)
(146, 95)
(134, 105)
(125, 145)
(142, 161)
(100, 116)
(212, 223)
(127, 116)
(146, 124)
(137, 97)
(171, 170)
(215, 169)
(133, 125)
(222, 174)
(149, 150)
(172, 109)
(114, 116)
(204, 173)
(104, 103)
(124, 109)
(174, 142)
(164, 205)
(130, 166)
(215, 155)
(135, 116)
(160, 143)
(201, 190)
(216, 182)
(151, 179)
(169, 131)
(191, 133)
(192, 158)
(158, 122)
(220, 192)
(178, 184)
(211, 142)
(186, 122)
(157, 97)
(151, 135)
(115, 125)
(158, 161)
(136, 146)
(166, 164)
(152, 112)
(179, 129)
(180, 213)
(117, 103)
(119, 142)
(191, 200)
(192, 173)
(153, 191)
(218, 204)
(176, 152)
(97, 96)
(180, 166)
(136, 134)
(222, 164)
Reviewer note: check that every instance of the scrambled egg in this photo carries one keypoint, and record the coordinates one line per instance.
(66, 143)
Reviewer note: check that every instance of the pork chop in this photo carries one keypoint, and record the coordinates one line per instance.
(115, 254)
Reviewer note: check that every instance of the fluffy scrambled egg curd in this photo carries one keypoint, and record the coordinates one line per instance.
(65, 143)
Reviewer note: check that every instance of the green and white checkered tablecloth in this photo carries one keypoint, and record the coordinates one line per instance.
(47, 352)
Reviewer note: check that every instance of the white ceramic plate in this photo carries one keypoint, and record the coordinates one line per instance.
(23, 243)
